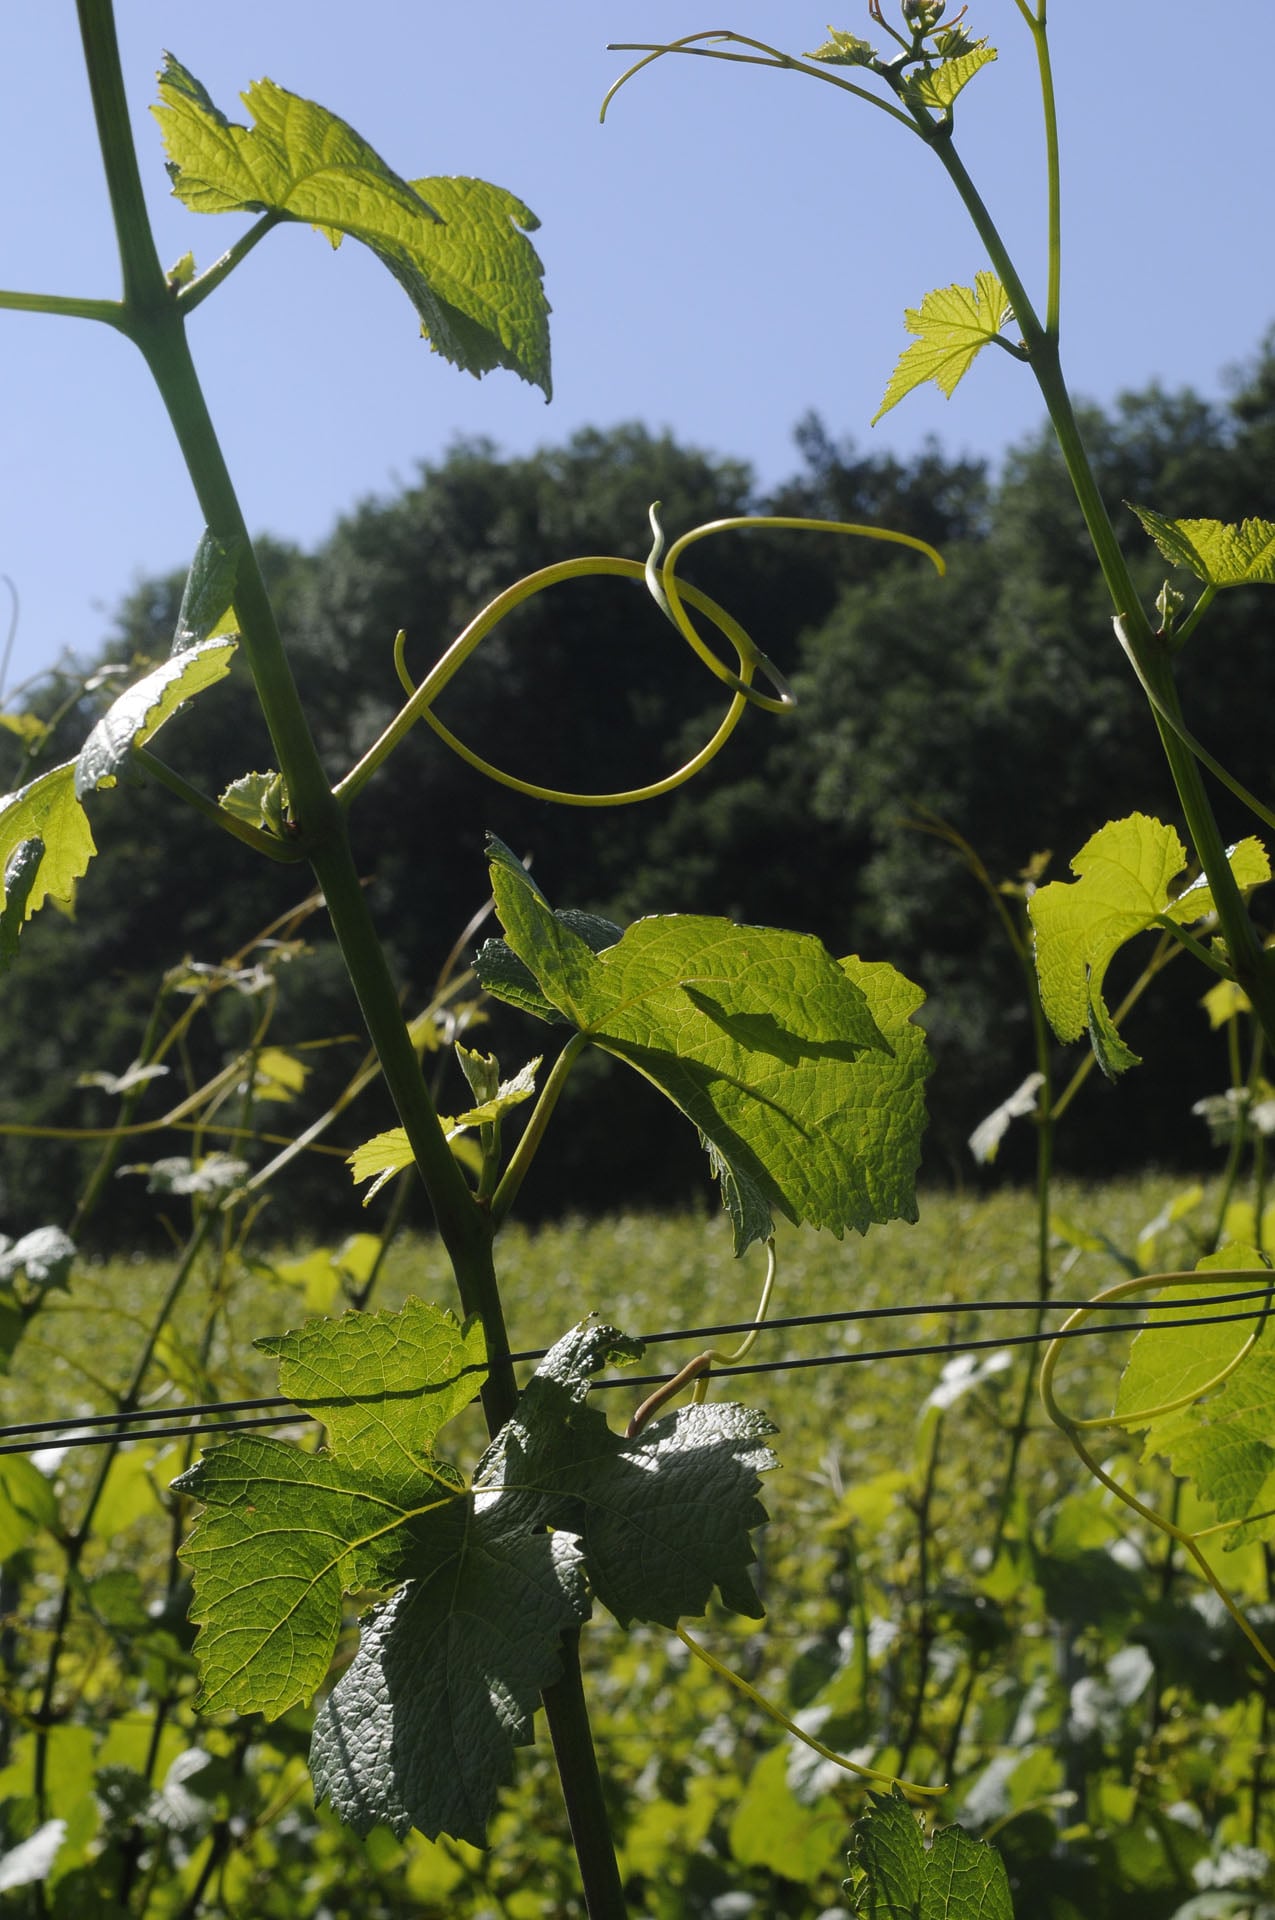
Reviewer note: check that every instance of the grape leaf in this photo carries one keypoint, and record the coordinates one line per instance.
(47, 810)
(259, 798)
(1162, 1366)
(285, 1534)
(938, 86)
(1124, 873)
(663, 1516)
(894, 1876)
(384, 1384)
(953, 325)
(1225, 1441)
(209, 589)
(844, 50)
(1218, 554)
(458, 247)
(388, 1153)
(20, 876)
(140, 712)
(803, 1074)
(420, 1728)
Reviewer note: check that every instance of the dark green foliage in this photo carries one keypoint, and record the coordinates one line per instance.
(916, 693)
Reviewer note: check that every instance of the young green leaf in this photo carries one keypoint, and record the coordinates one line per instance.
(953, 325)
(894, 1876)
(47, 810)
(844, 50)
(139, 713)
(259, 798)
(388, 1153)
(458, 247)
(1124, 874)
(937, 87)
(1218, 554)
(804, 1075)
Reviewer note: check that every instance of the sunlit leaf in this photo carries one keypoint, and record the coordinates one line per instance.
(47, 810)
(953, 325)
(1123, 886)
(458, 247)
(984, 1142)
(259, 798)
(388, 1153)
(937, 87)
(804, 1074)
(844, 50)
(139, 713)
(1219, 554)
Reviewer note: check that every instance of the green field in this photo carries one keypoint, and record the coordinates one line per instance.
(1088, 1700)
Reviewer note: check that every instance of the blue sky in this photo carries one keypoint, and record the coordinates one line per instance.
(732, 248)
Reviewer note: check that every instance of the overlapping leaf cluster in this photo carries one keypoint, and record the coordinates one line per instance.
(420, 1729)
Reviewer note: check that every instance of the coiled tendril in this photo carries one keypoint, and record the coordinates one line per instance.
(673, 597)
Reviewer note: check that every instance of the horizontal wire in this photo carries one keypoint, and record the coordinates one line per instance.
(775, 1325)
(950, 1348)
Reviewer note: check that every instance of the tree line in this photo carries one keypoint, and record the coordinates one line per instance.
(920, 701)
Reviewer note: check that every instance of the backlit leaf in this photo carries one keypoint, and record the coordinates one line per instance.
(47, 810)
(384, 1384)
(284, 1535)
(139, 713)
(458, 247)
(804, 1075)
(953, 325)
(420, 1729)
(1221, 555)
(19, 880)
(844, 50)
(209, 590)
(388, 1153)
(1166, 1364)
(938, 87)
(1124, 876)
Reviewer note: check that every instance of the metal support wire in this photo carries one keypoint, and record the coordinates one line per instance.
(116, 1427)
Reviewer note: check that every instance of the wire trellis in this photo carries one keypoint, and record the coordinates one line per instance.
(141, 1423)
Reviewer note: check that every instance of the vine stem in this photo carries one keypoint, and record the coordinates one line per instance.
(151, 318)
(1152, 658)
